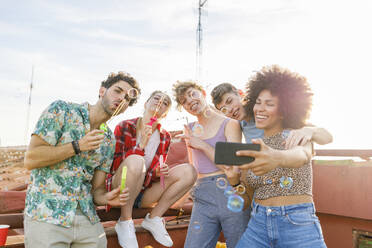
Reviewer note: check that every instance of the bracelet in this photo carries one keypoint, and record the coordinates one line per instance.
(235, 185)
(75, 145)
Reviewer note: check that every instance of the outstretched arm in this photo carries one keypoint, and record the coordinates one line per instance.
(233, 134)
(193, 142)
(268, 158)
(300, 137)
(320, 135)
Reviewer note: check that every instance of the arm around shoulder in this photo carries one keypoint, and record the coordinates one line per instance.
(321, 135)
(295, 157)
(233, 132)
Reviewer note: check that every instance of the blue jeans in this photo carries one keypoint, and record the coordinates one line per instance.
(291, 226)
(210, 215)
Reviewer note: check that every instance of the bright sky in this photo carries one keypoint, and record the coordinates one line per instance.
(74, 45)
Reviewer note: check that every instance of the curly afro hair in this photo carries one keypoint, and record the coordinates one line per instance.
(292, 89)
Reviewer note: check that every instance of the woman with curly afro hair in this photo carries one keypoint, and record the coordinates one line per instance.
(283, 213)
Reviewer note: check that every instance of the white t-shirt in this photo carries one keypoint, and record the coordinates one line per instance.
(151, 147)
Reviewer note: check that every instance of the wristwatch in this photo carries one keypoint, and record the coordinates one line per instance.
(75, 145)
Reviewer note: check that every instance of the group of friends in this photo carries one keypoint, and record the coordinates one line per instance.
(76, 166)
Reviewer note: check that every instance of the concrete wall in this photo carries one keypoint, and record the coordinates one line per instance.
(343, 198)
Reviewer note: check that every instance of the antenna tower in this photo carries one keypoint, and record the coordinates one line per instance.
(29, 106)
(199, 39)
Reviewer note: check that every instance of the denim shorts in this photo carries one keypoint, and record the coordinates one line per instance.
(138, 200)
(289, 226)
(210, 216)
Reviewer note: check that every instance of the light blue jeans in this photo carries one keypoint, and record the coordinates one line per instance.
(291, 226)
(210, 215)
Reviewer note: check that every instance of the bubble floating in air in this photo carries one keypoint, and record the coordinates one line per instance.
(286, 182)
(197, 130)
(221, 183)
(235, 203)
(229, 191)
(196, 227)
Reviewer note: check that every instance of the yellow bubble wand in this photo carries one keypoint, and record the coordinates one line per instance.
(123, 179)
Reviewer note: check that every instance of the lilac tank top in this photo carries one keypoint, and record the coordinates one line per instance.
(201, 162)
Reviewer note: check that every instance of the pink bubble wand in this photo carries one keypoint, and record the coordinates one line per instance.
(154, 118)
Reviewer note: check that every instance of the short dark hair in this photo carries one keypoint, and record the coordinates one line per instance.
(292, 89)
(122, 76)
(220, 90)
(179, 89)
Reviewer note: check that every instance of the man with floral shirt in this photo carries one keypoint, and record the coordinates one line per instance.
(69, 157)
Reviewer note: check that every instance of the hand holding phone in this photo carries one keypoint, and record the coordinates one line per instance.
(267, 159)
(225, 153)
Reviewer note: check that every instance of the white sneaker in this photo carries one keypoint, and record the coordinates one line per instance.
(156, 226)
(126, 234)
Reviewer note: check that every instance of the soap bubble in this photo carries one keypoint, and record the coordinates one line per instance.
(207, 112)
(269, 181)
(286, 182)
(197, 130)
(235, 203)
(196, 227)
(221, 183)
(132, 93)
(240, 189)
(195, 94)
(225, 110)
(229, 191)
(285, 133)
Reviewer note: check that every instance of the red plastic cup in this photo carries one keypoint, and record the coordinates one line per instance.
(3, 234)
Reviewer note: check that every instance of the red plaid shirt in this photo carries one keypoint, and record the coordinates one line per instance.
(126, 145)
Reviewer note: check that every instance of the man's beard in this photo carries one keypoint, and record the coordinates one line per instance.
(106, 105)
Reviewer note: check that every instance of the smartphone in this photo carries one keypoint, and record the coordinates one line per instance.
(225, 153)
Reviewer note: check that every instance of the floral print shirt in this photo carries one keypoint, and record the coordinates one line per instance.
(57, 190)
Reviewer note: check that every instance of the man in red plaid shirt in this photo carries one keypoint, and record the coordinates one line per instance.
(142, 146)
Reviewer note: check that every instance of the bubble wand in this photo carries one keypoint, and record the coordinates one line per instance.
(103, 126)
(132, 93)
(154, 118)
(123, 179)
